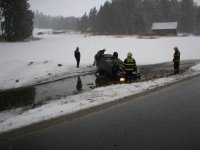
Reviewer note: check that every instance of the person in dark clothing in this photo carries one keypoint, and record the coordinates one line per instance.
(115, 55)
(129, 66)
(77, 56)
(176, 60)
(117, 71)
(98, 55)
(116, 68)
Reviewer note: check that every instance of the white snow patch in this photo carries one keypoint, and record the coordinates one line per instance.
(27, 63)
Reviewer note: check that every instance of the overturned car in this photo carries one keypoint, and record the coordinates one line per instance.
(110, 68)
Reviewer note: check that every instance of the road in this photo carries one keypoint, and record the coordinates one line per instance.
(167, 119)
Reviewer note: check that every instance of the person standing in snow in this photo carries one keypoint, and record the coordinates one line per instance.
(176, 60)
(129, 66)
(77, 55)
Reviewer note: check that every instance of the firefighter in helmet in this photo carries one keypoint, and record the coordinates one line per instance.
(129, 66)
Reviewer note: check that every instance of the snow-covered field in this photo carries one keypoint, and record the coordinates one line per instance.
(52, 50)
(26, 63)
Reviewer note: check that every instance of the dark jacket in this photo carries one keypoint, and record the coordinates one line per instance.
(99, 54)
(77, 54)
(176, 56)
(130, 64)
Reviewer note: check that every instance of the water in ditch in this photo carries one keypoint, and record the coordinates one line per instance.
(65, 87)
(34, 95)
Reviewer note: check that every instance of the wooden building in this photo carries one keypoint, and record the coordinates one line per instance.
(164, 28)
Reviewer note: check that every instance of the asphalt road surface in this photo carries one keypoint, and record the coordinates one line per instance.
(167, 119)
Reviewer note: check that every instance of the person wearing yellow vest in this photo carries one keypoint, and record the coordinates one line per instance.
(129, 66)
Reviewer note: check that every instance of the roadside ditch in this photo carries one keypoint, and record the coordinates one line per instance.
(36, 95)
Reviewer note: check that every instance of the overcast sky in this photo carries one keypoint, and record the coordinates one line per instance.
(65, 8)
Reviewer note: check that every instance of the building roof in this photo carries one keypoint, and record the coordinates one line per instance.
(164, 25)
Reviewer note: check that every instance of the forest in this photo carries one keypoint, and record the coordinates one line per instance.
(137, 16)
(116, 17)
(128, 17)
(57, 23)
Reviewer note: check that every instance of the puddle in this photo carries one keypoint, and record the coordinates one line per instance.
(63, 88)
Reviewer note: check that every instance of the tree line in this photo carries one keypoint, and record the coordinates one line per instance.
(115, 17)
(137, 16)
(57, 23)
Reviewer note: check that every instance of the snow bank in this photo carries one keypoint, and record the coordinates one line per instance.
(17, 118)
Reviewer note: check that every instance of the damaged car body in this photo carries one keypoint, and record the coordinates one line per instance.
(111, 69)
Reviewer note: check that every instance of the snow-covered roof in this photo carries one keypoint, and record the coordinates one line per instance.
(164, 25)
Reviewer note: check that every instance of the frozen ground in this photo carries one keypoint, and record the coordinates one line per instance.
(27, 63)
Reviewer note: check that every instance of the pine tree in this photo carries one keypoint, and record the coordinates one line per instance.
(174, 9)
(150, 15)
(165, 10)
(105, 24)
(187, 16)
(18, 24)
(84, 23)
(118, 17)
(197, 21)
(92, 19)
(1, 16)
